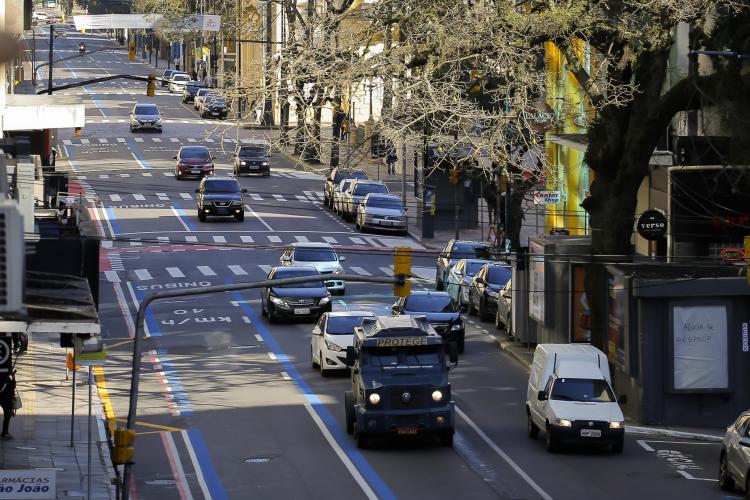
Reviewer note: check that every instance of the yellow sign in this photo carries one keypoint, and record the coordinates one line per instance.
(402, 341)
(69, 363)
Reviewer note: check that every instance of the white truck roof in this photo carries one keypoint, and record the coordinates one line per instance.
(577, 361)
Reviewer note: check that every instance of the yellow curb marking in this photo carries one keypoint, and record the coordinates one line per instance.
(109, 412)
(154, 426)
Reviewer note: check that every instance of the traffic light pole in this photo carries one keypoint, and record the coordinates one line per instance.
(399, 280)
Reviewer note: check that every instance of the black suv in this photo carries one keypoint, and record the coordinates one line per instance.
(188, 93)
(303, 300)
(220, 196)
(215, 107)
(440, 310)
(253, 159)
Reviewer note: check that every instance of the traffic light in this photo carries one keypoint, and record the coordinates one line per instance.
(151, 88)
(453, 176)
(131, 51)
(402, 271)
(123, 451)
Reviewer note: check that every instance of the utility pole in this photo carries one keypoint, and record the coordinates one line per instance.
(33, 56)
(51, 53)
(498, 201)
(267, 100)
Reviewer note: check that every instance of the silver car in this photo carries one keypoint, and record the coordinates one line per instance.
(338, 194)
(322, 257)
(356, 194)
(145, 116)
(385, 212)
(178, 81)
(734, 461)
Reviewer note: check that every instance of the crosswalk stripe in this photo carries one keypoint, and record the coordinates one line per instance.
(220, 239)
(138, 139)
(156, 139)
(115, 197)
(190, 139)
(175, 272)
(330, 239)
(237, 270)
(112, 276)
(174, 139)
(357, 241)
(67, 142)
(320, 194)
(360, 271)
(103, 176)
(302, 198)
(302, 239)
(124, 175)
(85, 141)
(279, 197)
(256, 197)
(206, 271)
(274, 239)
(208, 139)
(139, 197)
(191, 239)
(246, 239)
(164, 239)
(143, 274)
(386, 270)
(146, 174)
(103, 140)
(265, 268)
(162, 196)
(186, 196)
(120, 139)
(168, 174)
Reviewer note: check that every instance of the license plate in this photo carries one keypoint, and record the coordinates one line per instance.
(407, 431)
(302, 310)
(195, 171)
(253, 167)
(386, 223)
(591, 433)
(215, 113)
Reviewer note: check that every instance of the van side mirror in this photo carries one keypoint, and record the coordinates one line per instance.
(351, 356)
(541, 396)
(452, 348)
(342, 258)
(623, 399)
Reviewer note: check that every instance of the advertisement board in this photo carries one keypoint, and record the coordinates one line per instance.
(27, 484)
(699, 336)
(580, 311)
(536, 281)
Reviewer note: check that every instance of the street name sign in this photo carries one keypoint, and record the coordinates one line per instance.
(27, 484)
(547, 197)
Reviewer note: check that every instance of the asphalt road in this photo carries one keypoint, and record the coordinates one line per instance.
(229, 405)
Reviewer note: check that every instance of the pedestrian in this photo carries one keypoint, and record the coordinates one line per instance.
(344, 129)
(391, 159)
(7, 393)
(54, 157)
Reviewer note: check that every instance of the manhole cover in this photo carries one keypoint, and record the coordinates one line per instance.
(161, 482)
(257, 460)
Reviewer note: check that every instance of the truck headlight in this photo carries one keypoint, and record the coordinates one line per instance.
(437, 396)
(324, 301)
(265, 164)
(563, 422)
(374, 398)
(332, 346)
(236, 203)
(457, 326)
(276, 300)
(615, 425)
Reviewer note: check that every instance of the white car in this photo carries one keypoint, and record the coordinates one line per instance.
(331, 336)
(39, 16)
(356, 193)
(178, 81)
(322, 257)
(200, 96)
(734, 461)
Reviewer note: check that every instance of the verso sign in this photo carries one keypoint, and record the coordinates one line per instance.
(652, 225)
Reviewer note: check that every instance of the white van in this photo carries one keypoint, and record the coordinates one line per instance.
(570, 397)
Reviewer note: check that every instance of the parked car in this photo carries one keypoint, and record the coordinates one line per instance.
(166, 76)
(569, 396)
(459, 249)
(303, 300)
(39, 16)
(220, 196)
(193, 160)
(484, 289)
(504, 311)
(145, 117)
(338, 195)
(330, 338)
(253, 158)
(459, 279)
(214, 107)
(734, 459)
(191, 88)
(384, 212)
(356, 193)
(200, 95)
(439, 309)
(334, 178)
(322, 257)
(178, 81)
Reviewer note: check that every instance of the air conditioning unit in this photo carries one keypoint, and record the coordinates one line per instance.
(12, 257)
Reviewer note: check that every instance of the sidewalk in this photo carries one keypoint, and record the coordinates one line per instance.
(41, 428)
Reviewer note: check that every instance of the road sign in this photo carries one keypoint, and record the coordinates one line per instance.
(21, 483)
(547, 197)
(652, 225)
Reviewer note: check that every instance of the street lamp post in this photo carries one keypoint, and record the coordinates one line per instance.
(51, 53)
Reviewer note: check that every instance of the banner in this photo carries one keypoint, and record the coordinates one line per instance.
(194, 22)
(27, 484)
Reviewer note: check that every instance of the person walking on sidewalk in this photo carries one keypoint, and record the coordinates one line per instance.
(7, 392)
(390, 160)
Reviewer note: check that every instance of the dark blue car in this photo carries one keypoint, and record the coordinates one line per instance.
(302, 300)
(441, 312)
(485, 287)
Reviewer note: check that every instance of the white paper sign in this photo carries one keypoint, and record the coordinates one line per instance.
(700, 347)
(26, 484)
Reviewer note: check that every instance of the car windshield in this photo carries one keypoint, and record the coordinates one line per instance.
(253, 151)
(390, 358)
(201, 92)
(348, 175)
(217, 101)
(168, 73)
(180, 78)
(314, 255)
(473, 268)
(430, 303)
(499, 275)
(363, 189)
(222, 186)
(195, 85)
(582, 389)
(392, 203)
(296, 273)
(345, 185)
(471, 251)
(195, 153)
(343, 325)
(146, 109)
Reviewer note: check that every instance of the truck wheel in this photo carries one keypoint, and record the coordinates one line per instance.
(363, 440)
(349, 408)
(551, 440)
(531, 428)
(446, 438)
(726, 482)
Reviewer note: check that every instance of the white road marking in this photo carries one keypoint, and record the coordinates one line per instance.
(504, 455)
(104, 176)
(279, 197)
(156, 139)
(137, 160)
(112, 276)
(272, 356)
(330, 239)
(179, 218)
(302, 198)
(85, 141)
(256, 197)
(139, 197)
(163, 239)
(360, 271)
(186, 196)
(138, 139)
(196, 466)
(162, 196)
(174, 139)
(175, 272)
(386, 270)
(136, 303)
(207, 139)
(274, 239)
(102, 140)
(143, 274)
(190, 139)
(124, 175)
(357, 241)
(265, 268)
(249, 209)
(115, 197)
(121, 139)
(258, 337)
(220, 239)
(237, 270)
(644, 445)
(146, 174)
(302, 239)
(206, 271)
(67, 142)
(687, 475)
(176, 465)
(285, 376)
(246, 239)
(190, 239)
